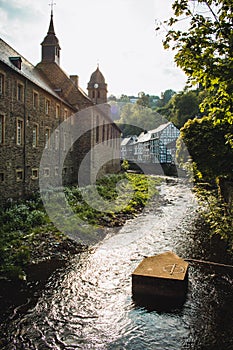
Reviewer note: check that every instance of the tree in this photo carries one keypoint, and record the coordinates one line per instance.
(123, 98)
(112, 98)
(165, 97)
(135, 118)
(143, 100)
(206, 144)
(185, 106)
(204, 50)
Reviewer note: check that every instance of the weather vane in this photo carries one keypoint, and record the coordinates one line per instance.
(52, 5)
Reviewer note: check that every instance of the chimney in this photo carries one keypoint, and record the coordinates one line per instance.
(74, 79)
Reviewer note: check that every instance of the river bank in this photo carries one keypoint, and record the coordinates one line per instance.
(45, 249)
(88, 304)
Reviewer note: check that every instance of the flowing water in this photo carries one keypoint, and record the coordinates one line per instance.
(89, 305)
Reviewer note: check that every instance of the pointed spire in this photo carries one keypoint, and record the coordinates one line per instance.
(50, 45)
(51, 26)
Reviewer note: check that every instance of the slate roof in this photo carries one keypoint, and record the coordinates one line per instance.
(160, 128)
(97, 77)
(125, 141)
(27, 69)
(144, 137)
(60, 80)
(128, 140)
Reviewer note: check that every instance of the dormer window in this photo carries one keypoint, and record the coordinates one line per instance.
(16, 61)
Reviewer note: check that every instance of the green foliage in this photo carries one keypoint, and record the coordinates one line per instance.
(24, 224)
(135, 118)
(182, 107)
(21, 217)
(16, 221)
(217, 214)
(125, 165)
(166, 96)
(185, 107)
(107, 189)
(207, 146)
(204, 50)
(143, 100)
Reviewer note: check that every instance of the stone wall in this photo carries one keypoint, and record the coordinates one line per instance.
(20, 160)
(20, 163)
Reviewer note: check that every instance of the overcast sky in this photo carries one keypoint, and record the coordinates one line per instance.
(119, 34)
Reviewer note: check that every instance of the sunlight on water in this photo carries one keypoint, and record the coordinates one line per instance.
(89, 304)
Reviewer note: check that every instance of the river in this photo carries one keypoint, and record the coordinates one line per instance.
(88, 305)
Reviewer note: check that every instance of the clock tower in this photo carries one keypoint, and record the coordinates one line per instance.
(97, 88)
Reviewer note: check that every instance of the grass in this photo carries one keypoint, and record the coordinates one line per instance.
(24, 224)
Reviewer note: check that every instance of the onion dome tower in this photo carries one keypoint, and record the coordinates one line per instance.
(50, 45)
(97, 88)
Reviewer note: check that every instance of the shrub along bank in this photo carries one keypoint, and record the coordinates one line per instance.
(28, 236)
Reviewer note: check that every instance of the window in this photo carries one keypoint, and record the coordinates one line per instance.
(2, 83)
(64, 141)
(35, 173)
(47, 106)
(19, 175)
(20, 94)
(103, 132)
(19, 132)
(56, 140)
(64, 171)
(2, 129)
(46, 172)
(72, 143)
(65, 114)
(108, 126)
(57, 111)
(35, 135)
(56, 171)
(35, 99)
(2, 177)
(47, 138)
(111, 136)
(97, 129)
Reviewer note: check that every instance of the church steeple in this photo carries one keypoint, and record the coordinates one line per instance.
(50, 45)
(51, 26)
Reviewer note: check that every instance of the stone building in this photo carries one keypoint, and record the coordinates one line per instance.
(34, 102)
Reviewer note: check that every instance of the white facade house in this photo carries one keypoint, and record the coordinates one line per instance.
(154, 146)
(127, 147)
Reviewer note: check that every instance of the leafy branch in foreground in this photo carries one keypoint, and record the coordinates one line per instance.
(217, 214)
(203, 47)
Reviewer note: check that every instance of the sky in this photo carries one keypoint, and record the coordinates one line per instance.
(119, 35)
